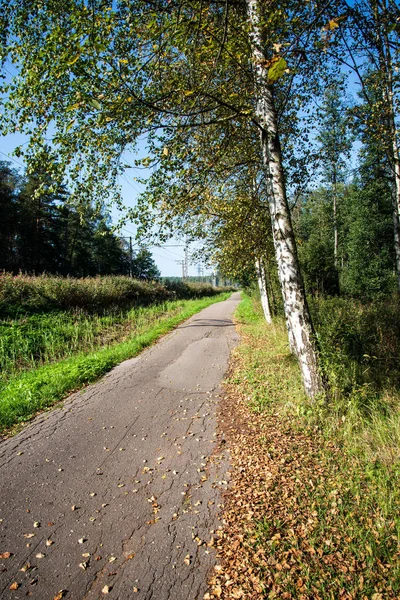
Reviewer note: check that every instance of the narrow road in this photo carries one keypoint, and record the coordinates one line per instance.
(117, 492)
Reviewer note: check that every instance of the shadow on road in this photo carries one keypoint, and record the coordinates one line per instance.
(208, 323)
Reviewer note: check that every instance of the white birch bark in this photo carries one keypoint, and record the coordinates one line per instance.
(262, 285)
(296, 309)
(396, 192)
(386, 65)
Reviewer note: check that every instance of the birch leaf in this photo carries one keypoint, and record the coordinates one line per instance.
(276, 71)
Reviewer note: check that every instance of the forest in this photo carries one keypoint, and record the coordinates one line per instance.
(42, 234)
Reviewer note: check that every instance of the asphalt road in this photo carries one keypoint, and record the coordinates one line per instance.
(117, 493)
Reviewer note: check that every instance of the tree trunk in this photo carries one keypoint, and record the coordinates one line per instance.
(396, 193)
(296, 309)
(386, 65)
(262, 285)
(335, 228)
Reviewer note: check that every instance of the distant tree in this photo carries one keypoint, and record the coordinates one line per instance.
(369, 256)
(144, 267)
(109, 254)
(315, 233)
(9, 181)
(38, 239)
(335, 144)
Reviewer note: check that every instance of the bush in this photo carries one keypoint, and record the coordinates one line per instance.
(360, 344)
(23, 294)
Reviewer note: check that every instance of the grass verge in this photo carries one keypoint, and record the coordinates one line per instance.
(307, 515)
(28, 392)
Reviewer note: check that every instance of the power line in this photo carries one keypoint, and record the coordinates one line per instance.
(164, 257)
(13, 159)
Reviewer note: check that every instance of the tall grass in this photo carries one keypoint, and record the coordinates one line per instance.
(23, 294)
(30, 341)
(360, 355)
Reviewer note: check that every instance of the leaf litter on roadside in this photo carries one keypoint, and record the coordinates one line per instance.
(292, 528)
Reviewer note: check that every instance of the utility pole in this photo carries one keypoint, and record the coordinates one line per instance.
(130, 257)
(182, 263)
(186, 262)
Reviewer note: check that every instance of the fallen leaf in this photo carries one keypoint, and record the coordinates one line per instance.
(106, 589)
(26, 567)
(40, 555)
(187, 559)
(84, 565)
(14, 586)
(5, 555)
(36, 524)
(60, 595)
(29, 535)
(112, 559)
(81, 540)
(49, 542)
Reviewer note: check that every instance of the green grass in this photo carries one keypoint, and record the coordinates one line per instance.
(340, 522)
(48, 356)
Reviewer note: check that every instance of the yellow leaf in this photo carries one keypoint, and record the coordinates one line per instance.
(73, 60)
(165, 151)
(277, 69)
(332, 24)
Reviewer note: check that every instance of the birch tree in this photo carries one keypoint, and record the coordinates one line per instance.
(296, 309)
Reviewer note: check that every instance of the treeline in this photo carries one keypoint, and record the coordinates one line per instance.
(349, 251)
(40, 232)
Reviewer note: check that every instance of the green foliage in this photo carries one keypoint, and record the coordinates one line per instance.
(368, 269)
(41, 232)
(21, 294)
(144, 267)
(365, 252)
(315, 243)
(360, 348)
